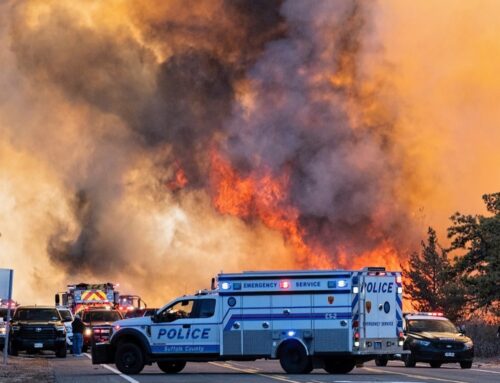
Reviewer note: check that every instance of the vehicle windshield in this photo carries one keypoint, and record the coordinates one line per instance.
(43, 315)
(65, 315)
(430, 325)
(101, 316)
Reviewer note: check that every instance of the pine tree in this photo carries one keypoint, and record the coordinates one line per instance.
(479, 266)
(430, 282)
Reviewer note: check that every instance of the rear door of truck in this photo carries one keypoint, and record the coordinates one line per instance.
(379, 309)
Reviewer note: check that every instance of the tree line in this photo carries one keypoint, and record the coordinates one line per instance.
(462, 280)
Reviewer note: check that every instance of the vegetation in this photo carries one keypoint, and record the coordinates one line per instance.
(469, 284)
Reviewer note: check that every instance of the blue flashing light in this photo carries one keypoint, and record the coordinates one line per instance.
(332, 284)
(341, 283)
(225, 286)
(290, 333)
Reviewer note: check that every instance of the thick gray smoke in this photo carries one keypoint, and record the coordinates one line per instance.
(273, 86)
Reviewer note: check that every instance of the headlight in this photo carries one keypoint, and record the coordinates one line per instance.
(469, 344)
(423, 343)
(2, 330)
(88, 331)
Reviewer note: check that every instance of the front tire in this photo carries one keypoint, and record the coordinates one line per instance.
(294, 359)
(466, 364)
(381, 362)
(172, 367)
(13, 349)
(339, 366)
(61, 352)
(129, 358)
(409, 360)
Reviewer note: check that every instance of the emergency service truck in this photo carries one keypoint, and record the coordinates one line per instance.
(329, 319)
(88, 295)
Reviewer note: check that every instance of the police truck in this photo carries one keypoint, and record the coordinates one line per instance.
(331, 319)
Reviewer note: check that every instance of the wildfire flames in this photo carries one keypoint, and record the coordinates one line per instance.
(154, 143)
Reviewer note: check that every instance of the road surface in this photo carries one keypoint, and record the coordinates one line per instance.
(74, 369)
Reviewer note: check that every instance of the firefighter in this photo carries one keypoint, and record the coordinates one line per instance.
(78, 328)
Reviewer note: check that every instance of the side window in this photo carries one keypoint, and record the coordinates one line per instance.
(204, 308)
(179, 310)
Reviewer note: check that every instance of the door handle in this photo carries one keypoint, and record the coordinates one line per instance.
(186, 325)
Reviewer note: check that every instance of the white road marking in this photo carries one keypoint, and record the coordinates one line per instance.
(126, 377)
(423, 377)
(253, 372)
(491, 372)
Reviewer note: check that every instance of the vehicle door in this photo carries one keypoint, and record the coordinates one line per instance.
(204, 329)
(378, 306)
(172, 331)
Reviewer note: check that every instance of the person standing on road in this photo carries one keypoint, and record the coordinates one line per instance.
(78, 328)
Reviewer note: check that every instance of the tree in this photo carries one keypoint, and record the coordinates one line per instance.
(430, 282)
(479, 266)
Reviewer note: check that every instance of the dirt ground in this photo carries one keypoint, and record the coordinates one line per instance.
(26, 369)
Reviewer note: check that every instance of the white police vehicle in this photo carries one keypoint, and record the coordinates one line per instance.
(329, 319)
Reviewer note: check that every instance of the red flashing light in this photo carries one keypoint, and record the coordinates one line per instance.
(284, 284)
(401, 335)
(97, 331)
(356, 335)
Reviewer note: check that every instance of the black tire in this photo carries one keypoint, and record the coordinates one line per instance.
(409, 360)
(172, 367)
(85, 348)
(466, 364)
(435, 364)
(339, 366)
(129, 358)
(381, 362)
(294, 358)
(13, 350)
(61, 352)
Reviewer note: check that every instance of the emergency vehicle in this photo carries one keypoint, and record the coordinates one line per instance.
(86, 295)
(128, 303)
(328, 319)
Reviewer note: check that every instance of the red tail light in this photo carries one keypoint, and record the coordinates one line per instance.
(356, 335)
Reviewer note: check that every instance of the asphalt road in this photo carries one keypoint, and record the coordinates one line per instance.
(73, 369)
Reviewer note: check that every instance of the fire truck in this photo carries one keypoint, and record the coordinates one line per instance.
(331, 319)
(129, 303)
(87, 295)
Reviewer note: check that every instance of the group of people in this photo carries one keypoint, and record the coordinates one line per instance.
(78, 328)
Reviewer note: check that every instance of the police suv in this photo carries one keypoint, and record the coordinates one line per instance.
(329, 319)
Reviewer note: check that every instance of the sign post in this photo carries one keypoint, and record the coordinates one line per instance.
(6, 279)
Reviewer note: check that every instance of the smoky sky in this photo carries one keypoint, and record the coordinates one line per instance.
(188, 103)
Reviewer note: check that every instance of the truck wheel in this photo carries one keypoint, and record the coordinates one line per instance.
(381, 362)
(466, 364)
(435, 364)
(294, 359)
(61, 352)
(13, 349)
(172, 367)
(129, 358)
(409, 360)
(339, 366)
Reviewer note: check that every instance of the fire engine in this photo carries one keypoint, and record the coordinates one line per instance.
(331, 319)
(128, 303)
(86, 295)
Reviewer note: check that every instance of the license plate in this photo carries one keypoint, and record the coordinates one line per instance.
(377, 345)
(450, 354)
(38, 345)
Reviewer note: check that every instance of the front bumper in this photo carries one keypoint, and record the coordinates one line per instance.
(39, 344)
(431, 354)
